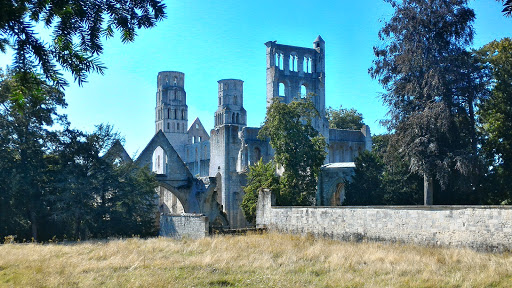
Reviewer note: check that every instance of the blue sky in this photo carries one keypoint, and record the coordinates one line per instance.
(213, 40)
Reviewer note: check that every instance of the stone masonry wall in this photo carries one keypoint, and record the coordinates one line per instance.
(193, 226)
(477, 227)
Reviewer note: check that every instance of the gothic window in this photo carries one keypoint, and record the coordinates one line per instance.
(257, 154)
(281, 90)
(303, 91)
(233, 118)
(306, 64)
(182, 114)
(175, 114)
(279, 60)
(237, 118)
(175, 81)
(293, 63)
(168, 113)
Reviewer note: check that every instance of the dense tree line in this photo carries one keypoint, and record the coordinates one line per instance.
(54, 181)
(449, 109)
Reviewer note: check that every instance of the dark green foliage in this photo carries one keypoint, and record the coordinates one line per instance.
(261, 175)
(366, 185)
(507, 7)
(432, 85)
(55, 183)
(77, 30)
(495, 117)
(383, 178)
(344, 118)
(299, 149)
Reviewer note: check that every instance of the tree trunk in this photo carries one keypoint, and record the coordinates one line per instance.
(33, 220)
(428, 190)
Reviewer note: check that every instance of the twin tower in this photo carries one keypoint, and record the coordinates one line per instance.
(231, 147)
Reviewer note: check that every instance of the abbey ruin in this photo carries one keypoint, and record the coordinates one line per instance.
(203, 172)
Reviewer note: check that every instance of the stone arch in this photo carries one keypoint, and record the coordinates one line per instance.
(168, 203)
(339, 194)
(257, 154)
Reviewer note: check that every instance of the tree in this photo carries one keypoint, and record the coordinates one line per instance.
(77, 29)
(495, 116)
(344, 118)
(261, 175)
(28, 107)
(299, 149)
(382, 177)
(422, 67)
(507, 7)
(365, 188)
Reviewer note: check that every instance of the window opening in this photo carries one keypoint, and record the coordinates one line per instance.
(303, 91)
(281, 90)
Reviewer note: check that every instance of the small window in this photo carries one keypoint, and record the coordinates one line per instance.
(168, 126)
(281, 90)
(197, 126)
(303, 91)
(178, 126)
(175, 81)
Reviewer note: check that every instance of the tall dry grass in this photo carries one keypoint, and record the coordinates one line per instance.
(268, 260)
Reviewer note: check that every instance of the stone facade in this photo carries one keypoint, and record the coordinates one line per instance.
(477, 227)
(194, 226)
(231, 147)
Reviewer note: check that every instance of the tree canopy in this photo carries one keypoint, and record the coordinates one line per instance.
(299, 149)
(77, 31)
(425, 69)
(55, 182)
(343, 118)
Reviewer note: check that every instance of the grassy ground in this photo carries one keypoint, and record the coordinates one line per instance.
(268, 260)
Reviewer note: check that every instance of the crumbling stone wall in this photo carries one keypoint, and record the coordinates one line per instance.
(193, 226)
(477, 227)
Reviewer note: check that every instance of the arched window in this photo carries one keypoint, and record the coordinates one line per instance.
(257, 154)
(178, 127)
(306, 64)
(237, 118)
(219, 101)
(303, 91)
(233, 118)
(175, 81)
(235, 100)
(182, 114)
(175, 95)
(159, 160)
(293, 63)
(175, 114)
(279, 60)
(282, 92)
(168, 126)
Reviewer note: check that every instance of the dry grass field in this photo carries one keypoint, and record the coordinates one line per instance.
(255, 260)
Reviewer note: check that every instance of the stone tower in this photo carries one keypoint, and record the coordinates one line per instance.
(225, 144)
(295, 72)
(171, 109)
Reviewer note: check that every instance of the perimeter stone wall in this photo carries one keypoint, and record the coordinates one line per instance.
(193, 226)
(478, 227)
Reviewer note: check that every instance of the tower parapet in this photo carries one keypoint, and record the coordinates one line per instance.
(171, 108)
(230, 109)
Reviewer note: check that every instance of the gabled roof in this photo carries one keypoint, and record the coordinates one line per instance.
(201, 127)
(177, 170)
(117, 151)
